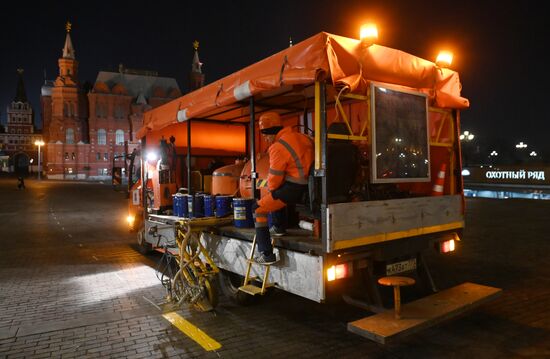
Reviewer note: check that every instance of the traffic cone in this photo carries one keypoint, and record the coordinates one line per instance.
(439, 183)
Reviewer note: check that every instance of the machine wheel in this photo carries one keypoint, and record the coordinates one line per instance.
(211, 292)
(230, 283)
(211, 297)
(143, 246)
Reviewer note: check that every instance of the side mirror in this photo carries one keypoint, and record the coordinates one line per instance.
(116, 176)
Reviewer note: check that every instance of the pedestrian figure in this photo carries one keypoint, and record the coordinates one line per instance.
(20, 182)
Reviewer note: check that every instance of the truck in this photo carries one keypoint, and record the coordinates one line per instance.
(385, 186)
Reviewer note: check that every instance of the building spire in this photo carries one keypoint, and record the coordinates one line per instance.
(197, 65)
(21, 94)
(196, 75)
(68, 50)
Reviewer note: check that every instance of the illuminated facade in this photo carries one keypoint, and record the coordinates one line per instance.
(86, 129)
(17, 142)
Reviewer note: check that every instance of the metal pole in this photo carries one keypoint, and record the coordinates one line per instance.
(253, 173)
(144, 172)
(189, 191)
(39, 162)
(322, 157)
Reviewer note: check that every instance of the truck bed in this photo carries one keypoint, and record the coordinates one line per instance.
(297, 239)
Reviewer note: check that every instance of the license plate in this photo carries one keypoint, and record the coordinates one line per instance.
(400, 267)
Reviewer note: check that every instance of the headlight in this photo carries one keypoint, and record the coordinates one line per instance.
(130, 219)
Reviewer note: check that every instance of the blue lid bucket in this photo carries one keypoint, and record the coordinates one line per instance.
(195, 205)
(224, 205)
(242, 212)
(209, 205)
(179, 206)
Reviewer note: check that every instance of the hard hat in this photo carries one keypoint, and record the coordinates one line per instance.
(270, 122)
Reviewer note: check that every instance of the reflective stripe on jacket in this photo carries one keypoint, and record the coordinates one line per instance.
(290, 158)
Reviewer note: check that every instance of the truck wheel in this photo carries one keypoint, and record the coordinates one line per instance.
(230, 283)
(143, 246)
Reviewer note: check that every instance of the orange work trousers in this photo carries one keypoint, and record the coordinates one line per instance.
(266, 205)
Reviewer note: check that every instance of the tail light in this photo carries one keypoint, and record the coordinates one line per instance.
(447, 246)
(339, 271)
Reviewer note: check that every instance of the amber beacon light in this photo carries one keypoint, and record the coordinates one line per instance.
(368, 33)
(444, 59)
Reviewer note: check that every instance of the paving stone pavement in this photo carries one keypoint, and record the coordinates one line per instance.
(72, 285)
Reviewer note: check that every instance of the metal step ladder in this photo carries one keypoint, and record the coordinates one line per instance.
(247, 286)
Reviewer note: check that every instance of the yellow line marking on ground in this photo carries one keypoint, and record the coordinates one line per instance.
(192, 331)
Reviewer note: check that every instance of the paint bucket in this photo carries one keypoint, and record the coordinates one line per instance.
(242, 212)
(209, 205)
(184, 206)
(195, 205)
(224, 205)
(178, 203)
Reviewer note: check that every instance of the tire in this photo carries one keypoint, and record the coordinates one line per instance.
(142, 245)
(230, 283)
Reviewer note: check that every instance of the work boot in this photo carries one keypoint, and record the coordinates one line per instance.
(277, 231)
(264, 259)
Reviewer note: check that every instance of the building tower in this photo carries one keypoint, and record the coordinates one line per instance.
(20, 135)
(196, 75)
(68, 124)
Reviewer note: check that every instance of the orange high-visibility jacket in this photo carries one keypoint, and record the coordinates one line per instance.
(290, 158)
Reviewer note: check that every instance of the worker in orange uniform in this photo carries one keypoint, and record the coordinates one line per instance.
(290, 159)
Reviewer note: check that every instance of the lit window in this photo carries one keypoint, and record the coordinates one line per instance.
(106, 156)
(101, 137)
(119, 137)
(69, 136)
(66, 155)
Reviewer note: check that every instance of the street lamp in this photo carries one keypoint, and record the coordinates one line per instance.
(521, 145)
(466, 136)
(39, 143)
(533, 154)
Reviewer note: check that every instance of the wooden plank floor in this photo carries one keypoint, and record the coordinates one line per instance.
(423, 313)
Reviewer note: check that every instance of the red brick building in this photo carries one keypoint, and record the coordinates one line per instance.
(85, 129)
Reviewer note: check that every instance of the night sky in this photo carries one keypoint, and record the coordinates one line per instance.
(498, 47)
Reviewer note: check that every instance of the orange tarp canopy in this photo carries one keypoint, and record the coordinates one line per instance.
(343, 61)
